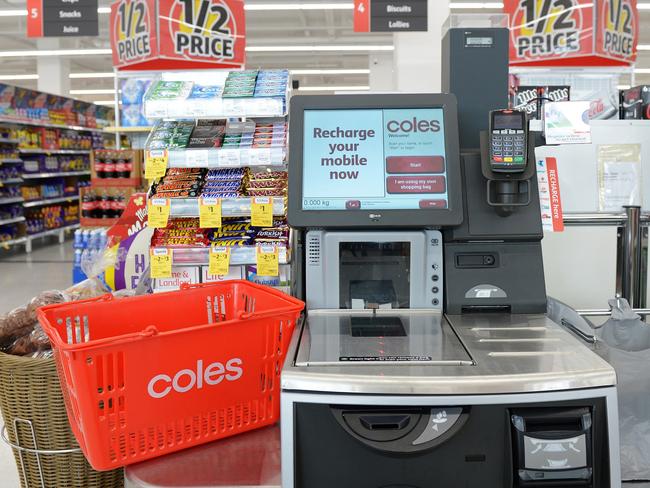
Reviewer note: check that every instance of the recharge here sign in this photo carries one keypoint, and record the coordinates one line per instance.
(178, 34)
(572, 32)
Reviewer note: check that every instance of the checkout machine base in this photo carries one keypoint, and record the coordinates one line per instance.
(503, 401)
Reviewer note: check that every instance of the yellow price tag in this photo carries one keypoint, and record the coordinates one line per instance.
(159, 209)
(262, 212)
(209, 212)
(219, 261)
(160, 260)
(268, 261)
(155, 164)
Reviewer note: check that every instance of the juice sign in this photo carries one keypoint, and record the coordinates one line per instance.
(132, 31)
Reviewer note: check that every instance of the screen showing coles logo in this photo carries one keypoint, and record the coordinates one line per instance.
(374, 159)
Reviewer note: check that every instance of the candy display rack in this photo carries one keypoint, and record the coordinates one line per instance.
(236, 113)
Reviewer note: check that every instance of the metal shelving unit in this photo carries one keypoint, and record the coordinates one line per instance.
(59, 232)
(37, 176)
(11, 181)
(36, 123)
(55, 151)
(15, 220)
(48, 201)
(11, 161)
(6, 201)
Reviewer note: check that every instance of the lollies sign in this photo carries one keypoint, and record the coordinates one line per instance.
(572, 32)
(178, 34)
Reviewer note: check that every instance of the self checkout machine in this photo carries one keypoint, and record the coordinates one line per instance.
(425, 357)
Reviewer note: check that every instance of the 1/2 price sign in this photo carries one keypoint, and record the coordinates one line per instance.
(133, 33)
(572, 32)
(178, 34)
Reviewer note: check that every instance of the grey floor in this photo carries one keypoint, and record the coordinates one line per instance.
(24, 275)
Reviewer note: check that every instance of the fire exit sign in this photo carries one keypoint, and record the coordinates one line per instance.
(390, 16)
(62, 18)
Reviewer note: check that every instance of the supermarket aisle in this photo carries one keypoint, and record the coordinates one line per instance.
(21, 277)
(24, 275)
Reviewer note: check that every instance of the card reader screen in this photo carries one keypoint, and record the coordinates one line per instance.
(505, 121)
(374, 159)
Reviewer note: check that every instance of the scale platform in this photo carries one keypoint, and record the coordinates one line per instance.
(425, 352)
(362, 337)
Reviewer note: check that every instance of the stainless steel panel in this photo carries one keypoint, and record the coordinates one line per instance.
(511, 354)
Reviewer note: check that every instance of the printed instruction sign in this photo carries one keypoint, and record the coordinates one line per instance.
(619, 176)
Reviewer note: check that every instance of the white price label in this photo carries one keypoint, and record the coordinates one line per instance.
(197, 157)
(229, 157)
(261, 156)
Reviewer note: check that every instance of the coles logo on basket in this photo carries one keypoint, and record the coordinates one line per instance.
(186, 379)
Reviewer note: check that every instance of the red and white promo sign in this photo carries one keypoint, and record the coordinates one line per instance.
(572, 32)
(178, 34)
(550, 199)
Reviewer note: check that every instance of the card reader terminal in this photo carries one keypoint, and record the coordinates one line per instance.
(508, 141)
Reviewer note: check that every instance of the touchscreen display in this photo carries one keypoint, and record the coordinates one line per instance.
(374, 159)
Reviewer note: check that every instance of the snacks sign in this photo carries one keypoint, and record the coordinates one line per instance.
(178, 34)
(572, 32)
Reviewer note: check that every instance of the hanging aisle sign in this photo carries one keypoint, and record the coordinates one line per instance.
(178, 34)
(572, 32)
(390, 15)
(62, 18)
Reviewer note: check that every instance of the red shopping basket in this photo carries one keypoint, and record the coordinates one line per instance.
(149, 375)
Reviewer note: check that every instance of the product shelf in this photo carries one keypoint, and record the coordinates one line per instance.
(12, 242)
(11, 161)
(35, 176)
(218, 108)
(38, 123)
(47, 201)
(125, 130)
(239, 255)
(51, 232)
(4, 140)
(54, 151)
(230, 207)
(227, 157)
(12, 221)
(11, 181)
(5, 201)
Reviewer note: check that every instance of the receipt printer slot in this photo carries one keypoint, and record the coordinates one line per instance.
(488, 260)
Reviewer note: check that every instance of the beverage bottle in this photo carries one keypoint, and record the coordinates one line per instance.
(87, 207)
(100, 164)
(109, 166)
(121, 170)
(104, 206)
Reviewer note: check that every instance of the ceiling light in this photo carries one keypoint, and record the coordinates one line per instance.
(643, 6)
(299, 6)
(104, 10)
(105, 102)
(330, 71)
(643, 47)
(13, 13)
(334, 88)
(475, 5)
(94, 91)
(319, 48)
(622, 87)
(642, 71)
(53, 52)
(18, 77)
(91, 75)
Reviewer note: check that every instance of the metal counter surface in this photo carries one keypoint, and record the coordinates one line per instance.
(249, 460)
(510, 354)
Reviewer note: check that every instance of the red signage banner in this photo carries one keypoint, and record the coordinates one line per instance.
(133, 31)
(572, 32)
(34, 18)
(178, 34)
(361, 15)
